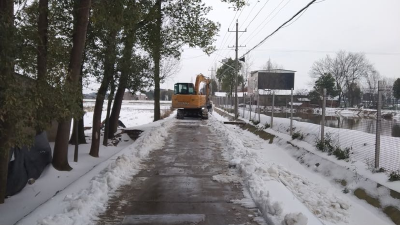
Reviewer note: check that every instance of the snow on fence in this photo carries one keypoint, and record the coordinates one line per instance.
(350, 134)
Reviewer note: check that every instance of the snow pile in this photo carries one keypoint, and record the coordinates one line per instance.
(82, 207)
(295, 219)
(324, 204)
(278, 193)
(226, 178)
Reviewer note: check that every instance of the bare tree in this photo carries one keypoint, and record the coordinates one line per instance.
(246, 70)
(169, 67)
(370, 86)
(302, 92)
(269, 65)
(346, 68)
(388, 97)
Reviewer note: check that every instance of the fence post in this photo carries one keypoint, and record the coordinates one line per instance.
(250, 108)
(378, 125)
(323, 116)
(291, 111)
(244, 104)
(258, 105)
(272, 111)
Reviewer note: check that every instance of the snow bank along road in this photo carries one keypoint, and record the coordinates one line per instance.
(271, 170)
(285, 191)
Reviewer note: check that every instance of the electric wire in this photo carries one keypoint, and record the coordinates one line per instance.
(259, 30)
(222, 42)
(216, 55)
(244, 21)
(302, 14)
(294, 16)
(236, 20)
(257, 14)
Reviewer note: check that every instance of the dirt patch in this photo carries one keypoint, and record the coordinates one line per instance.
(262, 134)
(133, 134)
(361, 194)
(393, 213)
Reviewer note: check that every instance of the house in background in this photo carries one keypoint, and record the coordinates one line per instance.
(305, 102)
(136, 96)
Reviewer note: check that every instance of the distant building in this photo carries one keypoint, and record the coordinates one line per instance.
(136, 96)
(305, 102)
(90, 95)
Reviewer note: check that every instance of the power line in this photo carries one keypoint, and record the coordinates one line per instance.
(252, 36)
(261, 42)
(249, 14)
(297, 18)
(222, 42)
(302, 14)
(257, 14)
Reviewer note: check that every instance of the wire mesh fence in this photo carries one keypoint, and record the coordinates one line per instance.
(357, 135)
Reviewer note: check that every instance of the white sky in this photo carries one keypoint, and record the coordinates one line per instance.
(370, 27)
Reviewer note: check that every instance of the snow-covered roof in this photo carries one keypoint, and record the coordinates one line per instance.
(224, 94)
(303, 99)
(332, 99)
(296, 103)
(274, 71)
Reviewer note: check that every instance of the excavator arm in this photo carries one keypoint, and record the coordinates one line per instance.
(201, 78)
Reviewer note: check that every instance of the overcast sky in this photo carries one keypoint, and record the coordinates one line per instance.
(367, 26)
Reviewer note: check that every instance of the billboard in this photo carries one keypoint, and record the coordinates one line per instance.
(275, 81)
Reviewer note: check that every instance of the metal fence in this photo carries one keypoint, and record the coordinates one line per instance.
(367, 137)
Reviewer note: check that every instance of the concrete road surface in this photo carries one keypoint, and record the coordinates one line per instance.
(177, 186)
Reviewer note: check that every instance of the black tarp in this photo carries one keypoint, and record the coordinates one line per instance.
(28, 163)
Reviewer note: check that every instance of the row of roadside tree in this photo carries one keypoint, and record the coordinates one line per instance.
(48, 49)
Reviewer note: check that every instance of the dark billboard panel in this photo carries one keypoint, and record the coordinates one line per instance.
(275, 81)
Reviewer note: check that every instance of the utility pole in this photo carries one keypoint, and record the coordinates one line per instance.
(212, 78)
(236, 67)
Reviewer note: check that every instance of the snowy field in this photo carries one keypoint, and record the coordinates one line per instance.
(285, 190)
(133, 113)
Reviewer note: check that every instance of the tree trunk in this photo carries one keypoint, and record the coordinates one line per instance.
(116, 109)
(42, 44)
(157, 58)
(81, 130)
(81, 125)
(119, 96)
(106, 124)
(41, 84)
(109, 63)
(60, 159)
(6, 71)
(4, 160)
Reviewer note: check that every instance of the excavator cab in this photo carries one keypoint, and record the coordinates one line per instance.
(184, 89)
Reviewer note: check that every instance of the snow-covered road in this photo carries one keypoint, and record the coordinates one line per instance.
(283, 187)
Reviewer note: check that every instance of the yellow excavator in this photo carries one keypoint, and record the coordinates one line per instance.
(189, 100)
